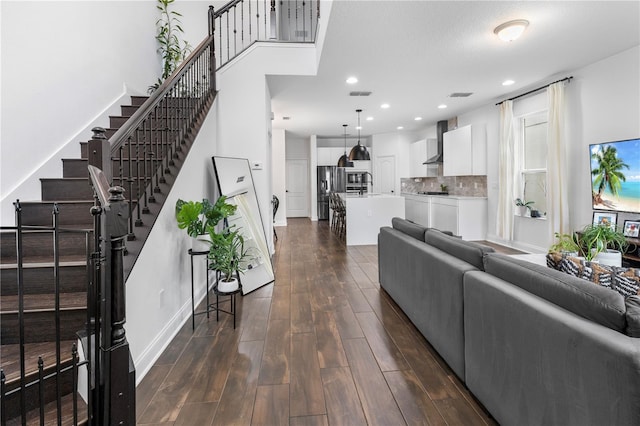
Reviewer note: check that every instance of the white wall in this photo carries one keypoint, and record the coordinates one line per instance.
(278, 168)
(604, 100)
(159, 286)
(244, 119)
(66, 66)
(395, 143)
(603, 103)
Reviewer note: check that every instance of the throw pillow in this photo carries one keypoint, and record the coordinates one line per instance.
(625, 281)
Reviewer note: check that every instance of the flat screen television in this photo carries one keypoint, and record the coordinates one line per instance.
(615, 175)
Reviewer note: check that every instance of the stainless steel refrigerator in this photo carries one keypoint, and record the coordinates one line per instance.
(330, 179)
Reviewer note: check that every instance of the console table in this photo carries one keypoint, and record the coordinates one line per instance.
(632, 256)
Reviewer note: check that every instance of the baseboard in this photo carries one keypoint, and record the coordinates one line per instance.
(280, 222)
(150, 355)
(518, 245)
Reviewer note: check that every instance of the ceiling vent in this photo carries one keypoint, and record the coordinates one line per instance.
(460, 94)
(355, 93)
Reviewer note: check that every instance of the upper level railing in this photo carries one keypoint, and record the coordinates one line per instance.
(240, 23)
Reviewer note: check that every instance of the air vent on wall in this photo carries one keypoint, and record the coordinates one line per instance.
(359, 93)
(460, 94)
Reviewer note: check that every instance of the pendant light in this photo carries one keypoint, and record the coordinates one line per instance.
(344, 160)
(359, 152)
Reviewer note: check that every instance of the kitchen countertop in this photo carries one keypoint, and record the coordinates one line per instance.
(456, 197)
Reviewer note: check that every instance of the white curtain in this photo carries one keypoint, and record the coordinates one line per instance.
(557, 184)
(506, 173)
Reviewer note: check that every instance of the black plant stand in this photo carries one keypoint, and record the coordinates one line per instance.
(232, 299)
(193, 307)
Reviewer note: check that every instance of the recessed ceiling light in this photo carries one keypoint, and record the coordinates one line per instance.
(352, 80)
(369, 118)
(385, 106)
(418, 118)
(508, 82)
(442, 106)
(358, 127)
(511, 30)
(399, 127)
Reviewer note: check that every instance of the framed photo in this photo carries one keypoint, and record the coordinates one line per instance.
(605, 218)
(631, 228)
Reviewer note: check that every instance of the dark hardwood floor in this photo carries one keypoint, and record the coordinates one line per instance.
(323, 345)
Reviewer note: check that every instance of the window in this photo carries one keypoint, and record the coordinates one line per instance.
(533, 144)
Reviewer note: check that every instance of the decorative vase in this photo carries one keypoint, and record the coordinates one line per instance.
(227, 286)
(609, 257)
(200, 243)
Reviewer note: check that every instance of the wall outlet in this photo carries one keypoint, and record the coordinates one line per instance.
(460, 185)
(475, 185)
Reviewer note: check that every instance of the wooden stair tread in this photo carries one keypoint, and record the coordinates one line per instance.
(50, 414)
(43, 302)
(10, 355)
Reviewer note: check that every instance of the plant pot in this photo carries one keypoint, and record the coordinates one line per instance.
(610, 257)
(522, 210)
(200, 243)
(227, 286)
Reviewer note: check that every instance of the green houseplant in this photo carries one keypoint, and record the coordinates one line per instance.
(197, 217)
(523, 206)
(566, 243)
(227, 255)
(597, 239)
(172, 48)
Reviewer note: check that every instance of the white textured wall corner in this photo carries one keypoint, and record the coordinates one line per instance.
(159, 286)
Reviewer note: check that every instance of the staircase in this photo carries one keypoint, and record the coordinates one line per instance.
(73, 196)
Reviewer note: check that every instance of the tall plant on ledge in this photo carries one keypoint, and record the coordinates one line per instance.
(171, 47)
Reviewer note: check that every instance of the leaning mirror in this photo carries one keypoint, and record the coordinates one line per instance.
(234, 179)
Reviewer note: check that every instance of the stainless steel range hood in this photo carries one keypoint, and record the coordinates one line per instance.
(441, 128)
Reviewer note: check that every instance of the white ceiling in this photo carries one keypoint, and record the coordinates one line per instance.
(414, 54)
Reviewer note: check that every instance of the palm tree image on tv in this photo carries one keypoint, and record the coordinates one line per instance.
(607, 174)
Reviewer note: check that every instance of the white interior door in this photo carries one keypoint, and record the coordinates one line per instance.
(297, 187)
(386, 174)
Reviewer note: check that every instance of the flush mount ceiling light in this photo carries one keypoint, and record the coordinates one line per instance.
(511, 30)
(508, 82)
(385, 106)
(359, 152)
(369, 118)
(399, 127)
(442, 106)
(418, 118)
(344, 160)
(352, 80)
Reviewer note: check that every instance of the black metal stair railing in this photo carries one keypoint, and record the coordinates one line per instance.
(241, 23)
(29, 388)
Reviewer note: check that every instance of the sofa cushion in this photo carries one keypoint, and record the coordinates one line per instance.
(625, 281)
(466, 250)
(410, 228)
(579, 296)
(633, 315)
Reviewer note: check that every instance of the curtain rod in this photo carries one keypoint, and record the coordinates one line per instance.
(535, 90)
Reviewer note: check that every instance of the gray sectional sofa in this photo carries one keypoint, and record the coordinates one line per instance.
(534, 345)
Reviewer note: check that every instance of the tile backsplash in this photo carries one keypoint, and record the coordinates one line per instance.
(469, 186)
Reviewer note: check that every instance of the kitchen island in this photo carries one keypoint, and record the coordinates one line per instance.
(367, 213)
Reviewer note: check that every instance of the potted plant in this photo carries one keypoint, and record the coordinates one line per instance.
(227, 255)
(602, 243)
(198, 216)
(523, 206)
(566, 243)
(172, 49)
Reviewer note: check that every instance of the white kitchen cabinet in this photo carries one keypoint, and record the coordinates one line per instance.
(361, 166)
(329, 156)
(417, 209)
(432, 151)
(465, 151)
(418, 155)
(464, 216)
